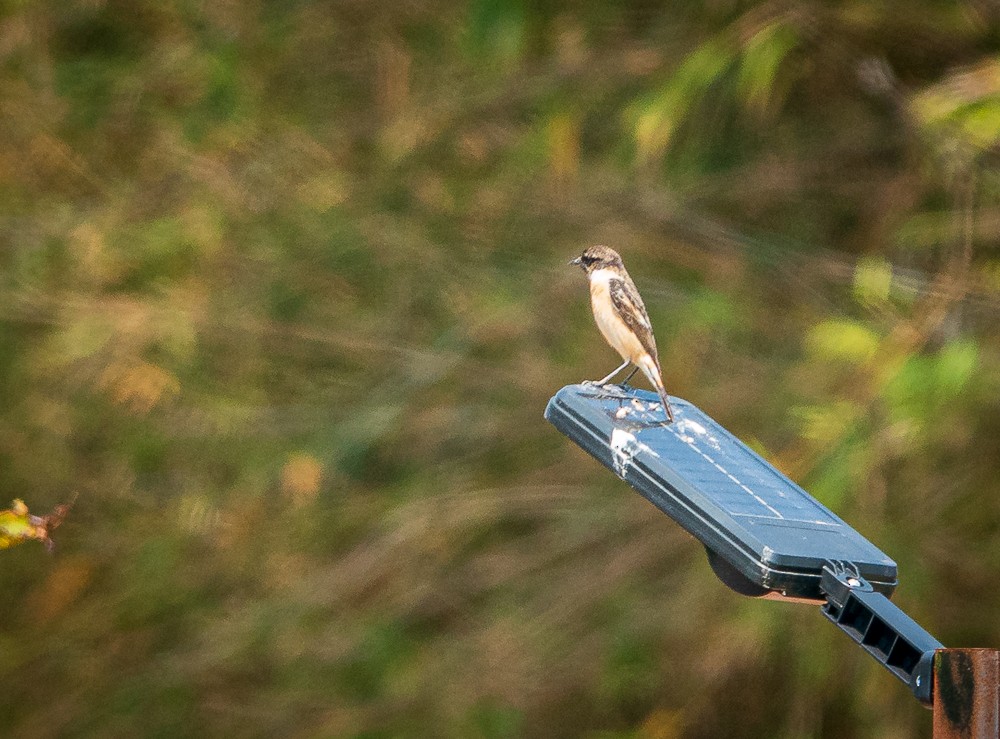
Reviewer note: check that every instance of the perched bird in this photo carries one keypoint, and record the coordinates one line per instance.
(622, 317)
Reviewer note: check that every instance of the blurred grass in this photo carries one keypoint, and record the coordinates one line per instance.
(284, 296)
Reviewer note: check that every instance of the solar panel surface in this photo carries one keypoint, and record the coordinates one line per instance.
(744, 510)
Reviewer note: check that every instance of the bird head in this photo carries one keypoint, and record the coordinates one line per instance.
(597, 257)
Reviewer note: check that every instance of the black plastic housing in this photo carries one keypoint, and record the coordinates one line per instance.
(756, 523)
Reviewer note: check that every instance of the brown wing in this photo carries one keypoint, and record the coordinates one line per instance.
(625, 298)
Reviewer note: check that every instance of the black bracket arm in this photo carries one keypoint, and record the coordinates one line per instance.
(898, 642)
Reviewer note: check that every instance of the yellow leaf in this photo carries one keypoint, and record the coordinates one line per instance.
(827, 423)
(842, 339)
(301, 477)
(872, 280)
(17, 525)
(140, 385)
(564, 146)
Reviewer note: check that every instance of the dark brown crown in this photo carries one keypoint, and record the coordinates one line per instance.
(599, 257)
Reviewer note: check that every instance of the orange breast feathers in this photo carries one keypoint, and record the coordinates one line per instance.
(611, 326)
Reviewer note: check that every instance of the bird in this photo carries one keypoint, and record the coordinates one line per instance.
(621, 317)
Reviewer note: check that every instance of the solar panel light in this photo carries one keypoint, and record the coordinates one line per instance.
(765, 536)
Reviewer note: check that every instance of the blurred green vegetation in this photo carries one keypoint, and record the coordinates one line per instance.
(284, 295)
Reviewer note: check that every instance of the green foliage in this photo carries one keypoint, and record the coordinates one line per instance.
(928, 382)
(497, 28)
(761, 61)
(492, 721)
(659, 115)
(839, 339)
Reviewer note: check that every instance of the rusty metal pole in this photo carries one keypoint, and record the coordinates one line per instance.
(967, 694)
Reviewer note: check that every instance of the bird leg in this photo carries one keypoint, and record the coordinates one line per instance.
(625, 364)
(630, 376)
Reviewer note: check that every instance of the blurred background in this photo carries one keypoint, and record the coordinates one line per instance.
(284, 294)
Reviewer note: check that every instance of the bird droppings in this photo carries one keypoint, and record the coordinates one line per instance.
(623, 449)
(688, 425)
(621, 412)
(690, 431)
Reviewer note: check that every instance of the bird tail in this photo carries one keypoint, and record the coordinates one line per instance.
(666, 403)
(650, 367)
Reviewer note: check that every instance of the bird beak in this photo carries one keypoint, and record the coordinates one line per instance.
(577, 261)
